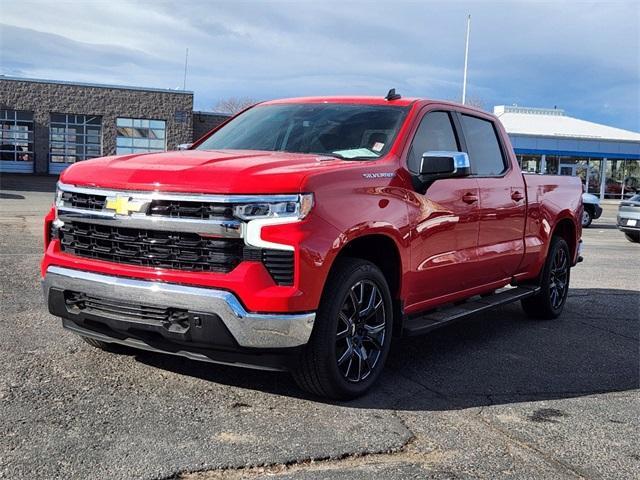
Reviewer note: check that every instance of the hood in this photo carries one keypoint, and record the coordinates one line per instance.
(201, 171)
(590, 198)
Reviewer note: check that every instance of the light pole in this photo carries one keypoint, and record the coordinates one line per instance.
(466, 60)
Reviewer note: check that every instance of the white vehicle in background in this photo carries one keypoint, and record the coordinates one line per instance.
(592, 209)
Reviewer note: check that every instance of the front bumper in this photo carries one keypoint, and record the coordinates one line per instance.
(628, 222)
(597, 211)
(128, 310)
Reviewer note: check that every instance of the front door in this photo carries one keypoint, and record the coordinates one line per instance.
(444, 221)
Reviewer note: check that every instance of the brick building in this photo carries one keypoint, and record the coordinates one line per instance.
(47, 125)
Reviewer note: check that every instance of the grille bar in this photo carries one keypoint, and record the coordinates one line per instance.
(280, 264)
(121, 310)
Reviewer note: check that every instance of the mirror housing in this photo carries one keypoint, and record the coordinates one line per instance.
(184, 146)
(444, 164)
(436, 164)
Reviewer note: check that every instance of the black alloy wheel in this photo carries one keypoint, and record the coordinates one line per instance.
(361, 331)
(553, 281)
(559, 278)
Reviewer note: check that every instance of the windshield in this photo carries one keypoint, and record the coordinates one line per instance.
(345, 131)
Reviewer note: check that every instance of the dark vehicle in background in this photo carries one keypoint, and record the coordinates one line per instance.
(629, 218)
(591, 209)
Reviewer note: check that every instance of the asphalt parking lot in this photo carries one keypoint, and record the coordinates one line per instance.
(500, 396)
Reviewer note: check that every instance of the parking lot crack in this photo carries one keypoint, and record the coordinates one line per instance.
(558, 464)
(391, 456)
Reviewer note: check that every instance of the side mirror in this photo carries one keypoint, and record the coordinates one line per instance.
(184, 146)
(444, 164)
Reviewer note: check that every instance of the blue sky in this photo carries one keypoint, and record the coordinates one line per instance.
(583, 57)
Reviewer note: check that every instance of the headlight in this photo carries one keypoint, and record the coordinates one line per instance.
(297, 208)
(58, 197)
(57, 200)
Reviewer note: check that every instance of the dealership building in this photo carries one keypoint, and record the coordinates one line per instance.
(549, 141)
(47, 125)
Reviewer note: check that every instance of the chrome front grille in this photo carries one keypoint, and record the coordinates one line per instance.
(84, 200)
(189, 232)
(197, 210)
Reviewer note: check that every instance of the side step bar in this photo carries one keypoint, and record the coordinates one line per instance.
(443, 316)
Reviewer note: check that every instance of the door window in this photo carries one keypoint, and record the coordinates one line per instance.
(483, 146)
(434, 133)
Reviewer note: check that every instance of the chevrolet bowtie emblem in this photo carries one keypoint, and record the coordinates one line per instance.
(123, 205)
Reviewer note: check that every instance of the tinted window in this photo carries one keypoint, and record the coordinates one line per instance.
(483, 146)
(346, 131)
(434, 133)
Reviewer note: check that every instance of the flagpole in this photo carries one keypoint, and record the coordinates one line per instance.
(186, 60)
(466, 61)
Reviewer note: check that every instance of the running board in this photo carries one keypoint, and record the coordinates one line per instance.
(443, 316)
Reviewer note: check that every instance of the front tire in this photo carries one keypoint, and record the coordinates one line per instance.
(352, 334)
(549, 302)
(633, 237)
(587, 218)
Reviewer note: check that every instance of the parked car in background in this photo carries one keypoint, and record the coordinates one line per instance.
(629, 218)
(592, 209)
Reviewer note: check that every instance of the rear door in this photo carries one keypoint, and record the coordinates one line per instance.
(502, 205)
(444, 218)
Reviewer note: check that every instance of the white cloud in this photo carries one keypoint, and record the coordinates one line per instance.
(556, 52)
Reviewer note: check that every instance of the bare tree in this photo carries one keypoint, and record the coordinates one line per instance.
(475, 102)
(233, 105)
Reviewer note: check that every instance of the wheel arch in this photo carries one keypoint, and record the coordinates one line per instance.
(383, 251)
(566, 229)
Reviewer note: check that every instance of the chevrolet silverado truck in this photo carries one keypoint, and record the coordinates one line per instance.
(306, 234)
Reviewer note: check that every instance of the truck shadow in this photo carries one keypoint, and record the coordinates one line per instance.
(496, 358)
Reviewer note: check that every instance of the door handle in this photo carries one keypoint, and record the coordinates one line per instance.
(469, 197)
(517, 196)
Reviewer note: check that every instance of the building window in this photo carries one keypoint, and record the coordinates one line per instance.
(622, 178)
(73, 138)
(530, 163)
(16, 136)
(138, 135)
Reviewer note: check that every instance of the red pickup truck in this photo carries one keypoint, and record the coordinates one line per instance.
(305, 234)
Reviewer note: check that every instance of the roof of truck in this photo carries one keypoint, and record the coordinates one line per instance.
(402, 102)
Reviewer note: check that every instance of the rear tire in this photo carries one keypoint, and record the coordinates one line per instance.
(352, 333)
(587, 218)
(633, 237)
(549, 302)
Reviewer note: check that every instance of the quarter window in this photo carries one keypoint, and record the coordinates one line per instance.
(483, 146)
(16, 136)
(435, 132)
(137, 135)
(73, 138)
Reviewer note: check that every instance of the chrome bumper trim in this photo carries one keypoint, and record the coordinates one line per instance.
(254, 330)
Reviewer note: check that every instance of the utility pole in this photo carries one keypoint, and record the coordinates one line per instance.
(186, 59)
(466, 61)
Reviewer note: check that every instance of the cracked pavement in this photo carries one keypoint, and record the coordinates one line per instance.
(499, 396)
